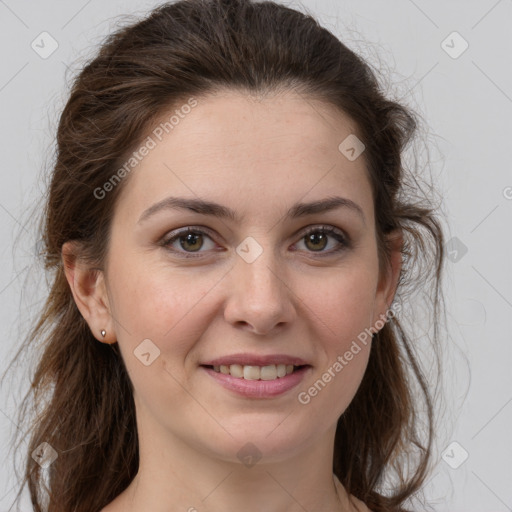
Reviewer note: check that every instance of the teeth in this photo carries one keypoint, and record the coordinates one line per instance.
(269, 372)
(252, 372)
(236, 370)
(249, 372)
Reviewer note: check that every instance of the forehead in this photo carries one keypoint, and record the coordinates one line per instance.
(247, 151)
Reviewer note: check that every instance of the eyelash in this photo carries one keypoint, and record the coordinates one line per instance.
(326, 230)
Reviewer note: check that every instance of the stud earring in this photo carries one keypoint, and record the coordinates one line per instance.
(103, 332)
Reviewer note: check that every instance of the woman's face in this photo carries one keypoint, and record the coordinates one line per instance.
(255, 284)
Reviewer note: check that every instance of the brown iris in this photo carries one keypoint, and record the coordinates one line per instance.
(315, 238)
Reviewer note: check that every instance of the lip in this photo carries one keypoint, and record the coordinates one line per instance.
(259, 388)
(247, 359)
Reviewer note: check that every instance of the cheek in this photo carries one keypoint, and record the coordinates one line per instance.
(344, 302)
(342, 307)
(167, 306)
(345, 309)
(152, 304)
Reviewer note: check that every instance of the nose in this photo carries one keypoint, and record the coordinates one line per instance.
(260, 297)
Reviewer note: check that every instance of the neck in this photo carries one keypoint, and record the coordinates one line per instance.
(179, 478)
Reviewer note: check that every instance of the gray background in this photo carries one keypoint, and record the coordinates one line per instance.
(466, 103)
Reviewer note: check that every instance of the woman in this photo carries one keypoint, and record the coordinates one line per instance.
(226, 223)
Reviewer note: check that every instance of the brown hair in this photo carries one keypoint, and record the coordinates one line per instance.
(81, 390)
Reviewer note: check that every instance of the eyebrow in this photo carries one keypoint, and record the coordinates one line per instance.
(205, 207)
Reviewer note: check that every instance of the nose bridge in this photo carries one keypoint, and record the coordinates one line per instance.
(257, 293)
(257, 268)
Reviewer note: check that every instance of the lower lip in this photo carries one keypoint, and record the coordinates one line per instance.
(259, 388)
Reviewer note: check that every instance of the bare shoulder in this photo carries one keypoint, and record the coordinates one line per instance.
(357, 505)
(350, 502)
(113, 506)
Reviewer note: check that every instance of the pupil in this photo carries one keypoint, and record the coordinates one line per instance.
(315, 238)
(190, 237)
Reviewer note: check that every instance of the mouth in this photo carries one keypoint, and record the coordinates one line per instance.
(253, 372)
(258, 382)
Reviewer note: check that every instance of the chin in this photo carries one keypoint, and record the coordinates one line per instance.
(264, 440)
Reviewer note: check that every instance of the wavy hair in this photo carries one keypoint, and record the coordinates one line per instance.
(80, 400)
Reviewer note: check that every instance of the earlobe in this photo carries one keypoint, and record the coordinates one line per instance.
(89, 292)
(388, 282)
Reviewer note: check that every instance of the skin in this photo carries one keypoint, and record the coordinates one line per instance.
(257, 156)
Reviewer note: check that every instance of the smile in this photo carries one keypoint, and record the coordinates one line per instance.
(258, 381)
(251, 372)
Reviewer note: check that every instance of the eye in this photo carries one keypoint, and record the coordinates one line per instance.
(316, 239)
(190, 240)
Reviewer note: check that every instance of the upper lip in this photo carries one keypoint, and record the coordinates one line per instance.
(255, 360)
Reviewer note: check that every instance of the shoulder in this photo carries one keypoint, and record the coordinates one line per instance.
(357, 505)
(111, 507)
(118, 504)
(352, 503)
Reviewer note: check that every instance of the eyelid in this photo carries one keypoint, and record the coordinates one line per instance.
(331, 231)
(176, 234)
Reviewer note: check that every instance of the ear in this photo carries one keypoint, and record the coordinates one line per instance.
(89, 291)
(388, 280)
